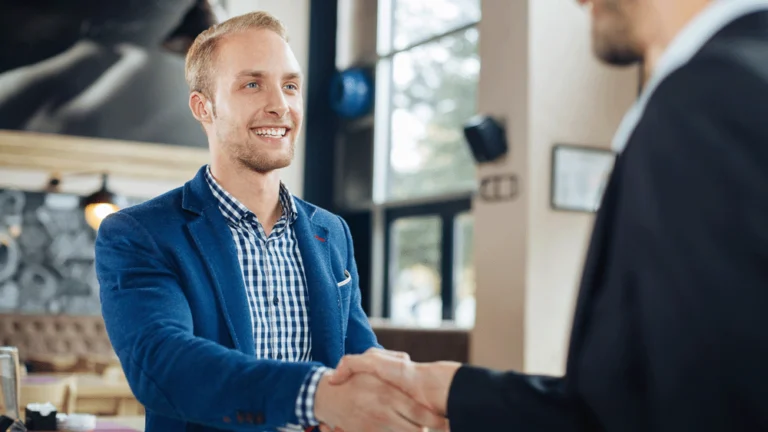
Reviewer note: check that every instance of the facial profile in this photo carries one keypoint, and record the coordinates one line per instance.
(252, 108)
(614, 38)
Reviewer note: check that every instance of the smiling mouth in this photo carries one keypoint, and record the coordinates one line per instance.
(271, 132)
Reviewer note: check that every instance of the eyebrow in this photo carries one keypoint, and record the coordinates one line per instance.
(262, 74)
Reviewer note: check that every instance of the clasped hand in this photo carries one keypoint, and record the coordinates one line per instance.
(384, 391)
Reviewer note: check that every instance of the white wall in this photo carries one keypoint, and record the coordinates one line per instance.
(501, 232)
(538, 71)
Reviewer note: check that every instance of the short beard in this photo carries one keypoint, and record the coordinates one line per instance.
(615, 44)
(262, 164)
(618, 56)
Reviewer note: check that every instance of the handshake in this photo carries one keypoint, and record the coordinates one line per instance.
(384, 391)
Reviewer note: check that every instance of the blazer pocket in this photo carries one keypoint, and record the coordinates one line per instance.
(345, 281)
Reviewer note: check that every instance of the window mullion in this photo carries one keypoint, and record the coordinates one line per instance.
(392, 52)
(446, 264)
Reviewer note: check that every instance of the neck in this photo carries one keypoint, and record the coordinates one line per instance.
(661, 21)
(259, 192)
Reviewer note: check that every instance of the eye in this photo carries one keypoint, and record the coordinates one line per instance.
(292, 87)
(252, 85)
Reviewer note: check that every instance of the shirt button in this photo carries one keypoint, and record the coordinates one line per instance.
(276, 301)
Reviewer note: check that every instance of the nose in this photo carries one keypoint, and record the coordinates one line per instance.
(277, 106)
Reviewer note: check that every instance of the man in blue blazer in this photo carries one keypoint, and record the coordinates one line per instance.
(228, 300)
(669, 332)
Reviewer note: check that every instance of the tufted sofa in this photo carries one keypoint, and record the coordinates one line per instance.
(67, 343)
(58, 343)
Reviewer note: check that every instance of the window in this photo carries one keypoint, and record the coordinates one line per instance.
(427, 75)
(424, 173)
(415, 21)
(464, 270)
(414, 265)
(433, 92)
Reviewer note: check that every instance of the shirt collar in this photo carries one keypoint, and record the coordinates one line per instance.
(234, 211)
(681, 50)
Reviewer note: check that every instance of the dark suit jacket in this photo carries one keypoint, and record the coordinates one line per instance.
(175, 308)
(671, 326)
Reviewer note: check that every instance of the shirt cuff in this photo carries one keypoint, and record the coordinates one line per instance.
(305, 402)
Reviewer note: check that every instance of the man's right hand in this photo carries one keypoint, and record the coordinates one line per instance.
(366, 404)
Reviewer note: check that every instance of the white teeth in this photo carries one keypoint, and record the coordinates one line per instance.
(271, 132)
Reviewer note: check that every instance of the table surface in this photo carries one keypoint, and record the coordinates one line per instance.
(118, 424)
(88, 385)
(127, 423)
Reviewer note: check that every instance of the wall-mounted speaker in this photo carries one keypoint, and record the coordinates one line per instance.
(486, 137)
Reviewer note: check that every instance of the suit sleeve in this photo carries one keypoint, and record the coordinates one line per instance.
(360, 336)
(484, 399)
(700, 271)
(170, 370)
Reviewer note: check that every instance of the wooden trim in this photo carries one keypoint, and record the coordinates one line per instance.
(64, 153)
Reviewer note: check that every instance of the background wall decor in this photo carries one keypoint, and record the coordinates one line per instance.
(47, 254)
(100, 69)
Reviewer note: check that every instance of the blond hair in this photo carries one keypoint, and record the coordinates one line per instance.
(198, 68)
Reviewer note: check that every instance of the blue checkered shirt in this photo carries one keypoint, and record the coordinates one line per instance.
(276, 288)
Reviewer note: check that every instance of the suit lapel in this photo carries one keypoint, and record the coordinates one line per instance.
(312, 235)
(217, 249)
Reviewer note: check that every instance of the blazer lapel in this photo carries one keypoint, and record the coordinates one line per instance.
(217, 249)
(324, 299)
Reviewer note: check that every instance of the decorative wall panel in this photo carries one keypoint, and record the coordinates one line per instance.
(47, 254)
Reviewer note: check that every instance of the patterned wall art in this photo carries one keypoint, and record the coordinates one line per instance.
(101, 69)
(47, 254)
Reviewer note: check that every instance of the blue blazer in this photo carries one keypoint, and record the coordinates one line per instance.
(175, 309)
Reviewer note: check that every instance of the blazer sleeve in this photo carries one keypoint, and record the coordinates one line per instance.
(360, 335)
(170, 370)
(484, 399)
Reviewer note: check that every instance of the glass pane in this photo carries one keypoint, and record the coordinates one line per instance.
(415, 271)
(434, 92)
(417, 20)
(464, 271)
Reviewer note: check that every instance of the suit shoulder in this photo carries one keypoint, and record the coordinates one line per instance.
(722, 68)
(163, 206)
(319, 214)
(745, 55)
(716, 86)
(710, 110)
(155, 216)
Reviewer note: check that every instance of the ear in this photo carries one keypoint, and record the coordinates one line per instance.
(201, 107)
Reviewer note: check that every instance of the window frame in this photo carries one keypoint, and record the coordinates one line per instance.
(447, 211)
(384, 211)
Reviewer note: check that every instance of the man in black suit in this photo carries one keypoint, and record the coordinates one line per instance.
(671, 325)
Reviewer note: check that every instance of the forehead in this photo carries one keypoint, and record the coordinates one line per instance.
(255, 49)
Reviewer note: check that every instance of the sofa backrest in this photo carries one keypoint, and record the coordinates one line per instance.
(41, 336)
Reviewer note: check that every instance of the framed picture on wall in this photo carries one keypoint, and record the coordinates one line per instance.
(579, 176)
